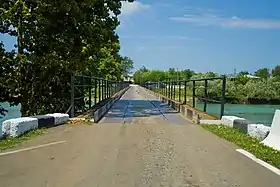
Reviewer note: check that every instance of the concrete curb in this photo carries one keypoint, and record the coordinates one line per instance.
(18, 126)
(258, 131)
(99, 113)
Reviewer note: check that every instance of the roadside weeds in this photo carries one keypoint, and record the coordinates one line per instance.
(247, 143)
(13, 142)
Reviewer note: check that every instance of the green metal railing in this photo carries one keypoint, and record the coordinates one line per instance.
(173, 89)
(89, 91)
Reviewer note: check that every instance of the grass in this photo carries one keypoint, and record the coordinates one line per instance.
(246, 142)
(12, 142)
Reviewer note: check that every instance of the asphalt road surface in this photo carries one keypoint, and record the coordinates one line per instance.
(139, 143)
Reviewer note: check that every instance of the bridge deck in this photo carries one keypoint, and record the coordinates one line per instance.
(137, 106)
(140, 142)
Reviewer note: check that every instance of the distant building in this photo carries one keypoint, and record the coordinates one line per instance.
(248, 76)
(128, 78)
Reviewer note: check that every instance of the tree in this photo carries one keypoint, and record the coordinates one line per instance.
(210, 74)
(56, 39)
(126, 65)
(172, 74)
(263, 73)
(242, 73)
(187, 74)
(8, 85)
(276, 71)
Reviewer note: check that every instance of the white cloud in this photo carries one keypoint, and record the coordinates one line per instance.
(201, 18)
(182, 38)
(143, 48)
(148, 37)
(137, 37)
(134, 7)
(170, 47)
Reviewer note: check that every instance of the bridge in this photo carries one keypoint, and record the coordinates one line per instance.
(139, 142)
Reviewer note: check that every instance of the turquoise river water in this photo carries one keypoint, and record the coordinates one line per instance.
(262, 114)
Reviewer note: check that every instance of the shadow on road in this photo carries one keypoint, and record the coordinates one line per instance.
(139, 108)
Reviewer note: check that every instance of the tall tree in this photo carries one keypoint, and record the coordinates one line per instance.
(242, 73)
(276, 71)
(126, 65)
(263, 73)
(8, 85)
(187, 74)
(57, 38)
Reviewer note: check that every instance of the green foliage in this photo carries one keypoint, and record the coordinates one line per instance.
(241, 89)
(145, 75)
(9, 87)
(242, 79)
(55, 39)
(276, 71)
(242, 73)
(12, 142)
(263, 73)
(126, 65)
(246, 142)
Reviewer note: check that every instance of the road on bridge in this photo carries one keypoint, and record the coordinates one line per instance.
(140, 143)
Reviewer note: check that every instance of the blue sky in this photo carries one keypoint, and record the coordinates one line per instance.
(203, 35)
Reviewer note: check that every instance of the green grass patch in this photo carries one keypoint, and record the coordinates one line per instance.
(12, 142)
(246, 142)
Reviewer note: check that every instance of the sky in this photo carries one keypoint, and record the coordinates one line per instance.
(202, 35)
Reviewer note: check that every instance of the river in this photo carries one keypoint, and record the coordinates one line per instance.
(13, 112)
(262, 114)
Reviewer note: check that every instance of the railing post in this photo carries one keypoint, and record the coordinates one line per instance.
(223, 96)
(110, 87)
(95, 91)
(185, 93)
(89, 93)
(103, 90)
(107, 89)
(72, 111)
(171, 89)
(205, 95)
(179, 91)
(169, 85)
(119, 86)
(99, 90)
(83, 87)
(174, 97)
(193, 89)
(165, 88)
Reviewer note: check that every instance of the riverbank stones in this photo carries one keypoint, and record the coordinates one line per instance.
(231, 120)
(258, 131)
(241, 124)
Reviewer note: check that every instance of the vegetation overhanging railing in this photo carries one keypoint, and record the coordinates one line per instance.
(168, 89)
(89, 91)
